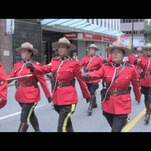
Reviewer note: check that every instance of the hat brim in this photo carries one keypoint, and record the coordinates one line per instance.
(93, 47)
(140, 50)
(145, 48)
(57, 44)
(126, 50)
(35, 51)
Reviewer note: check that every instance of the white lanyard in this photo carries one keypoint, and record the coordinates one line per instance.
(90, 61)
(114, 74)
(57, 77)
(21, 69)
(148, 62)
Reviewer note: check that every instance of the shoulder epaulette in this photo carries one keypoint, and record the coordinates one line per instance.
(96, 56)
(18, 61)
(56, 58)
(73, 59)
(107, 64)
(33, 61)
(129, 64)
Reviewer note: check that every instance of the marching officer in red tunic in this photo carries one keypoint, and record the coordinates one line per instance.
(116, 104)
(145, 79)
(64, 95)
(139, 53)
(91, 63)
(3, 87)
(28, 91)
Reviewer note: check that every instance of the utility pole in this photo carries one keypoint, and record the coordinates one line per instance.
(132, 34)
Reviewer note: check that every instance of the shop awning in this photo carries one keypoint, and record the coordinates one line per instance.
(79, 25)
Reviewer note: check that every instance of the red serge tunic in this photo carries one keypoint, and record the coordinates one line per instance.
(92, 64)
(28, 94)
(145, 63)
(3, 87)
(120, 104)
(65, 71)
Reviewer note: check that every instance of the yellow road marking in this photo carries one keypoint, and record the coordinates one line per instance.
(130, 125)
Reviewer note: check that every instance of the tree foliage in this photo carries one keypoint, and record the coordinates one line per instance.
(147, 32)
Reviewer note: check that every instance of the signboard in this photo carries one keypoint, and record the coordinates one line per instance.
(6, 52)
(122, 37)
(92, 36)
(10, 26)
(98, 37)
(109, 39)
(70, 35)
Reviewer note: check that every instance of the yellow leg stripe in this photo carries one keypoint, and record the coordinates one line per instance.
(30, 112)
(129, 126)
(66, 119)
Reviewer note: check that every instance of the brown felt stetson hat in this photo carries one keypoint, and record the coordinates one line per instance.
(139, 49)
(27, 45)
(147, 46)
(93, 46)
(63, 41)
(118, 44)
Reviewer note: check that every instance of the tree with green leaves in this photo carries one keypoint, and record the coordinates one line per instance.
(147, 31)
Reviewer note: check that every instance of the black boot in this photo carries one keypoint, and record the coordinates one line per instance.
(146, 106)
(23, 127)
(70, 129)
(35, 123)
(148, 112)
(90, 106)
(94, 102)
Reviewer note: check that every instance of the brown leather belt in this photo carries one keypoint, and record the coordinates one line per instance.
(24, 84)
(118, 92)
(89, 70)
(62, 84)
(148, 73)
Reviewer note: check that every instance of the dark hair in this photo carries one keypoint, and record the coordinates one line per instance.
(31, 51)
(121, 50)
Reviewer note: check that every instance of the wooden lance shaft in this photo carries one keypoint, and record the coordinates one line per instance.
(19, 77)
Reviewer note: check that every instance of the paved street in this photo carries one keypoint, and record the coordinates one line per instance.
(48, 118)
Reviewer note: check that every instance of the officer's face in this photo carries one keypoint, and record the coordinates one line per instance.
(63, 50)
(148, 52)
(92, 51)
(25, 54)
(139, 53)
(117, 55)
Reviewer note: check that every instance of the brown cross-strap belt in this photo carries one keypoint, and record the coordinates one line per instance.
(118, 92)
(148, 73)
(62, 84)
(24, 84)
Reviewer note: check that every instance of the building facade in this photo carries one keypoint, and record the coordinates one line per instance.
(43, 32)
(134, 32)
(81, 32)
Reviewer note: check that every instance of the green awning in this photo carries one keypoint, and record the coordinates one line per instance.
(79, 25)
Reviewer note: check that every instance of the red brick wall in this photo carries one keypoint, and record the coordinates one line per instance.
(5, 46)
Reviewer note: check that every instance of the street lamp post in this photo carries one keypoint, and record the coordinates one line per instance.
(132, 34)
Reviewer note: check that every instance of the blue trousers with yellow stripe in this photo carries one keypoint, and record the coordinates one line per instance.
(65, 112)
